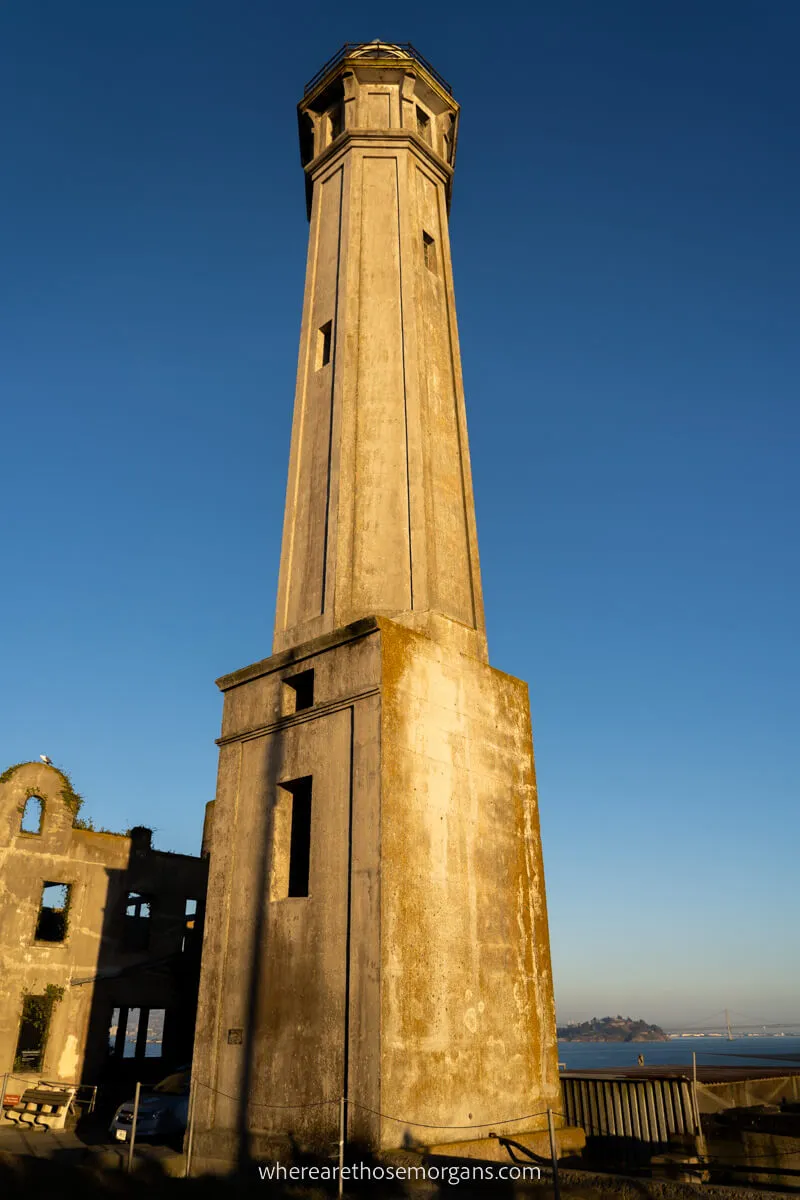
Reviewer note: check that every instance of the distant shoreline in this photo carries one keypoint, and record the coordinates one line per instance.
(644, 1037)
(611, 1029)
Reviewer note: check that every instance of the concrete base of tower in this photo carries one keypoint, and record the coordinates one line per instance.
(376, 922)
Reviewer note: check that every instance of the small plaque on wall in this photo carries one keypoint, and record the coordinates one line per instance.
(235, 1037)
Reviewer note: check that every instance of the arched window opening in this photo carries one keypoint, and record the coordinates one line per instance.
(32, 815)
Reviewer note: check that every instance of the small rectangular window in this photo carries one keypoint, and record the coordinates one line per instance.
(51, 923)
(299, 692)
(137, 906)
(423, 125)
(429, 251)
(324, 344)
(136, 929)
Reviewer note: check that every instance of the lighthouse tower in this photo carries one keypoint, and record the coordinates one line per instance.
(376, 924)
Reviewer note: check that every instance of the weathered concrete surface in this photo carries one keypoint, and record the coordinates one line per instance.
(379, 506)
(101, 869)
(467, 1014)
(415, 976)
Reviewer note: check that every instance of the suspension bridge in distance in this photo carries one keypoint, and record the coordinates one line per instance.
(729, 1024)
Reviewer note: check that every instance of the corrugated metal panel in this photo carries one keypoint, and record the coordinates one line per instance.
(647, 1110)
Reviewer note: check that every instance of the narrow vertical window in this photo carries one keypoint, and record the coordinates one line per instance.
(300, 845)
(32, 815)
(113, 1031)
(335, 121)
(423, 125)
(449, 134)
(189, 939)
(131, 1032)
(51, 923)
(306, 138)
(324, 344)
(429, 251)
(154, 1045)
(290, 870)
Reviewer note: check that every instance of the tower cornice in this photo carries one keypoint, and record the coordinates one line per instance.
(371, 138)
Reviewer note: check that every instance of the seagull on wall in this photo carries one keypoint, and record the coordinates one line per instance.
(48, 762)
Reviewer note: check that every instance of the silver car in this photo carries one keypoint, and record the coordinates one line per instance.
(163, 1110)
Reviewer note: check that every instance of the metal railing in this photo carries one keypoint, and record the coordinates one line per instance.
(367, 50)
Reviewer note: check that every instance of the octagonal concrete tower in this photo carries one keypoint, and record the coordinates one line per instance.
(376, 923)
(380, 517)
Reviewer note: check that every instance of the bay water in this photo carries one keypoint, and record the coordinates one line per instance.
(711, 1052)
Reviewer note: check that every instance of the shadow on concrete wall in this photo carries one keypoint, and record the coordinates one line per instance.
(258, 959)
(142, 1016)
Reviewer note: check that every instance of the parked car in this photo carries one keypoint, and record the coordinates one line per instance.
(163, 1109)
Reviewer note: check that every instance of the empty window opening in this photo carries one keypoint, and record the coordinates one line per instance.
(299, 691)
(190, 927)
(306, 138)
(136, 934)
(132, 1021)
(449, 134)
(292, 840)
(324, 335)
(113, 1031)
(32, 815)
(136, 1032)
(300, 846)
(32, 1036)
(154, 1041)
(429, 251)
(423, 125)
(335, 120)
(51, 923)
(137, 906)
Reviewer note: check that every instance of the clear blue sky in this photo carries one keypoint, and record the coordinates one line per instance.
(625, 238)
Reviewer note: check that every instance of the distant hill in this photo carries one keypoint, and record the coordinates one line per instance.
(611, 1029)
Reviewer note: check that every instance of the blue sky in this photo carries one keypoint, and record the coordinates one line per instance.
(627, 259)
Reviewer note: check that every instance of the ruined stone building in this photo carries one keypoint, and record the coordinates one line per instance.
(99, 941)
(377, 927)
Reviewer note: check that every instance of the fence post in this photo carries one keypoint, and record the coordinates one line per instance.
(701, 1141)
(133, 1126)
(553, 1154)
(190, 1134)
(3, 1089)
(342, 1103)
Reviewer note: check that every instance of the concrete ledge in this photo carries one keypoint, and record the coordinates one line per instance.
(284, 658)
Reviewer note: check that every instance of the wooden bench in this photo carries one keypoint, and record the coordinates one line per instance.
(44, 1106)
